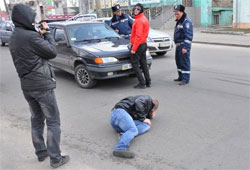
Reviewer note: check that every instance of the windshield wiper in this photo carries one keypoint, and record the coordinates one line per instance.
(87, 40)
(111, 38)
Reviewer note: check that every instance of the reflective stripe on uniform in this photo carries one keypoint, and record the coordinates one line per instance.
(187, 41)
(184, 72)
(114, 23)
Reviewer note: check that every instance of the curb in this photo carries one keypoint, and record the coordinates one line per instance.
(223, 32)
(225, 44)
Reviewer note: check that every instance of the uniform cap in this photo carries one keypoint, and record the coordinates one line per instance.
(179, 8)
(116, 7)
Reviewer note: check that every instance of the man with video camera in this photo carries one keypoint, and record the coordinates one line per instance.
(31, 48)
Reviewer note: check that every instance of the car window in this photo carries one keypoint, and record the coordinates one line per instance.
(59, 35)
(81, 32)
(3, 26)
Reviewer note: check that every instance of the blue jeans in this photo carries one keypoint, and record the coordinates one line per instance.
(121, 121)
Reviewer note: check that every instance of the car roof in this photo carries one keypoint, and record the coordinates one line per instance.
(66, 23)
(106, 18)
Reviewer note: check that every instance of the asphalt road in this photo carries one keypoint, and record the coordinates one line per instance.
(203, 125)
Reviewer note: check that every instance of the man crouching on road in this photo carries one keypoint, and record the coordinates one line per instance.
(31, 48)
(131, 117)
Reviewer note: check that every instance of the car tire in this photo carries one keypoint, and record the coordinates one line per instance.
(161, 53)
(2, 43)
(83, 77)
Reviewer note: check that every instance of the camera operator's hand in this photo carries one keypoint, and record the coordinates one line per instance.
(45, 28)
(45, 25)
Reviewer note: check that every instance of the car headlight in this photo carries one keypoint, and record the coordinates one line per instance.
(104, 60)
(150, 39)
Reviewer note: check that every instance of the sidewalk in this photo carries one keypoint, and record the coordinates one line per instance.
(215, 37)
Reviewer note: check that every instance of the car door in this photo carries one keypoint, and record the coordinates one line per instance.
(8, 31)
(63, 50)
(2, 31)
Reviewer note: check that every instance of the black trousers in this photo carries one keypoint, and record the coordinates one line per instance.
(139, 60)
(43, 107)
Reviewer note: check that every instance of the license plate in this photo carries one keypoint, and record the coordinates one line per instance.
(163, 44)
(126, 66)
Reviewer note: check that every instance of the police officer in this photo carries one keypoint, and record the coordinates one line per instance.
(121, 23)
(183, 35)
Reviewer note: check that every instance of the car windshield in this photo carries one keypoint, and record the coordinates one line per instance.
(89, 31)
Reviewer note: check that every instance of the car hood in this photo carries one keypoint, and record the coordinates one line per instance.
(157, 34)
(105, 49)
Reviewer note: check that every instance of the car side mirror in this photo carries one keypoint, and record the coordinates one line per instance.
(8, 28)
(60, 39)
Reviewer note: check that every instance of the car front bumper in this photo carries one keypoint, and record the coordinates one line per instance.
(160, 46)
(108, 71)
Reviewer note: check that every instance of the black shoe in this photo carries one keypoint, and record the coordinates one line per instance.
(63, 161)
(148, 84)
(123, 153)
(43, 156)
(182, 83)
(177, 79)
(139, 86)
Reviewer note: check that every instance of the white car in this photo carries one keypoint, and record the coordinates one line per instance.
(158, 42)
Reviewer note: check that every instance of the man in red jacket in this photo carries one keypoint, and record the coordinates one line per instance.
(138, 40)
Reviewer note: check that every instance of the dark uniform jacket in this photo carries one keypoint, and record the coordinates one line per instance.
(139, 107)
(123, 24)
(31, 51)
(183, 32)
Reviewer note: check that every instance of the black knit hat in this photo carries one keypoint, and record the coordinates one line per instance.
(179, 8)
(140, 6)
(116, 7)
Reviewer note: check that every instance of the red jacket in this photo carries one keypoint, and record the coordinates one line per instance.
(139, 33)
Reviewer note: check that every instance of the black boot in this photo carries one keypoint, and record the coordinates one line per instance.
(139, 86)
(63, 161)
(43, 156)
(123, 153)
(179, 79)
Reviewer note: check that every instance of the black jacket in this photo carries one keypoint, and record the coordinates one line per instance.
(30, 51)
(139, 107)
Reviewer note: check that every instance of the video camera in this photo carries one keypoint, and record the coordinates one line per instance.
(40, 26)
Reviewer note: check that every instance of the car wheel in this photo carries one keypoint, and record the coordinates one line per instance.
(2, 43)
(83, 77)
(161, 53)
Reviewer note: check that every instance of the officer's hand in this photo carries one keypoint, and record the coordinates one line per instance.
(117, 30)
(132, 52)
(184, 51)
(148, 122)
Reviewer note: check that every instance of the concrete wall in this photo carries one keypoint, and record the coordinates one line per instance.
(226, 18)
(193, 13)
(206, 12)
(241, 14)
(196, 3)
(171, 2)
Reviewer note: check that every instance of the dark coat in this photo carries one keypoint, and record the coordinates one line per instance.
(123, 24)
(183, 32)
(139, 107)
(31, 51)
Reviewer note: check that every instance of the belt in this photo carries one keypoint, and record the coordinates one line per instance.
(123, 35)
(177, 44)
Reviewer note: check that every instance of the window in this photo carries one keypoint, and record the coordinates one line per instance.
(59, 35)
(3, 26)
(216, 19)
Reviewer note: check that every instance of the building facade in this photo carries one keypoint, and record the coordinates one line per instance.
(241, 14)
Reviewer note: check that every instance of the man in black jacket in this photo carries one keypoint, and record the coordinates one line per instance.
(31, 50)
(132, 117)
